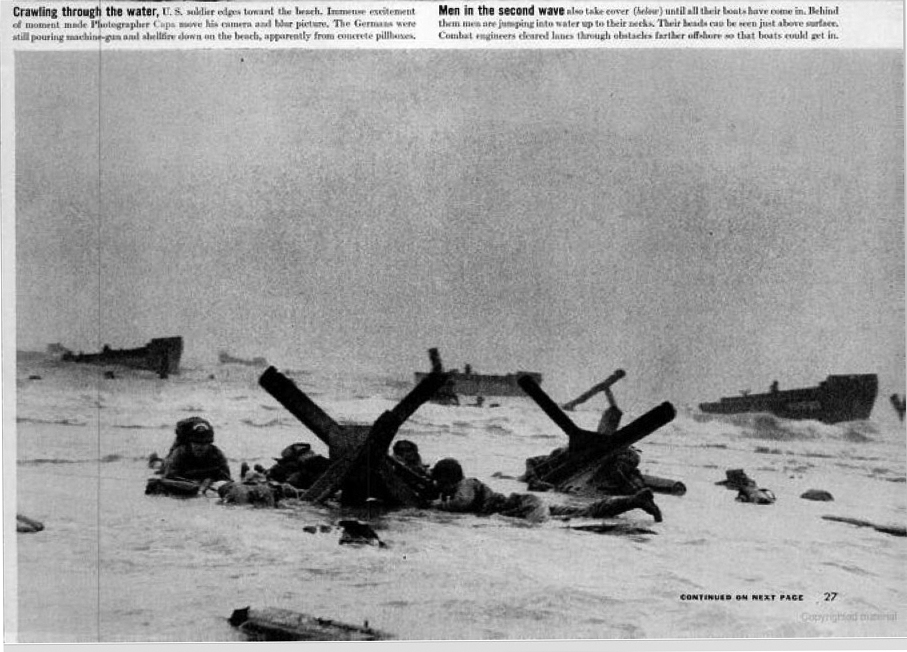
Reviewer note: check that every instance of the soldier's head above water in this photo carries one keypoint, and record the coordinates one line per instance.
(193, 426)
(195, 431)
(408, 453)
(297, 451)
(447, 473)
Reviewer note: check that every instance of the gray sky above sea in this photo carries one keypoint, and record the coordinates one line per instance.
(708, 221)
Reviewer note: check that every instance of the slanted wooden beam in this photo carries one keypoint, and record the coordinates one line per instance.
(369, 454)
(299, 405)
(358, 453)
(601, 387)
(594, 448)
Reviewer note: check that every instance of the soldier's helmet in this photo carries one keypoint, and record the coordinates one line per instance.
(195, 430)
(297, 450)
(405, 447)
(447, 471)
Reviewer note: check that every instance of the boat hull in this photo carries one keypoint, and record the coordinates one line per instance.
(836, 399)
(486, 384)
(161, 355)
(225, 358)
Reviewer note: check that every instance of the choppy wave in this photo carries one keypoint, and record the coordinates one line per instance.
(498, 429)
(769, 427)
(772, 428)
(860, 432)
(266, 424)
(52, 422)
(106, 459)
(50, 460)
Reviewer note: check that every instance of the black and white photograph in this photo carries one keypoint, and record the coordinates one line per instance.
(454, 344)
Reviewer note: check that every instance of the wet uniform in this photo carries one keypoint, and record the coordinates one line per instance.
(185, 464)
(475, 497)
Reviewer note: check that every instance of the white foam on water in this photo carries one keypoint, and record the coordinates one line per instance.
(116, 565)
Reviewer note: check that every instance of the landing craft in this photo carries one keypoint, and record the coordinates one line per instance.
(161, 355)
(469, 383)
(836, 399)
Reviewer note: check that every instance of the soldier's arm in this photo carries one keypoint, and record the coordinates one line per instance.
(462, 500)
(175, 465)
(221, 470)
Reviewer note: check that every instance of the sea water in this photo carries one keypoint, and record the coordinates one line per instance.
(116, 565)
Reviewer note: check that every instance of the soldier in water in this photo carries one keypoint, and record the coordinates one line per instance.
(194, 455)
(298, 466)
(461, 494)
(618, 475)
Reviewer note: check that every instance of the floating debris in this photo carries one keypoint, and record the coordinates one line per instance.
(26, 524)
(274, 624)
(172, 487)
(817, 494)
(359, 533)
(747, 490)
(612, 528)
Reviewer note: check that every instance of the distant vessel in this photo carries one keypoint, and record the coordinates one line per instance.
(161, 355)
(836, 399)
(225, 358)
(899, 403)
(472, 384)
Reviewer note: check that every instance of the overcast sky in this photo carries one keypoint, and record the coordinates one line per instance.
(709, 221)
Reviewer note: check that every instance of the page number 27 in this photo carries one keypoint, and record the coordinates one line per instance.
(830, 596)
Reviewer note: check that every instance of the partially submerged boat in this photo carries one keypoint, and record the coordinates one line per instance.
(225, 358)
(837, 398)
(469, 383)
(161, 355)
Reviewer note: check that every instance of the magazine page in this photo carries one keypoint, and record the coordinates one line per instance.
(561, 324)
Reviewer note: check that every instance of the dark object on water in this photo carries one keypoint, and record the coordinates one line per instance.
(447, 393)
(172, 487)
(747, 490)
(473, 384)
(836, 399)
(601, 387)
(894, 530)
(161, 355)
(156, 463)
(109, 375)
(736, 478)
(225, 358)
(899, 403)
(255, 490)
(817, 494)
(34, 377)
(360, 466)
(612, 528)
(26, 524)
(756, 495)
(359, 533)
(272, 624)
(575, 470)
(664, 485)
